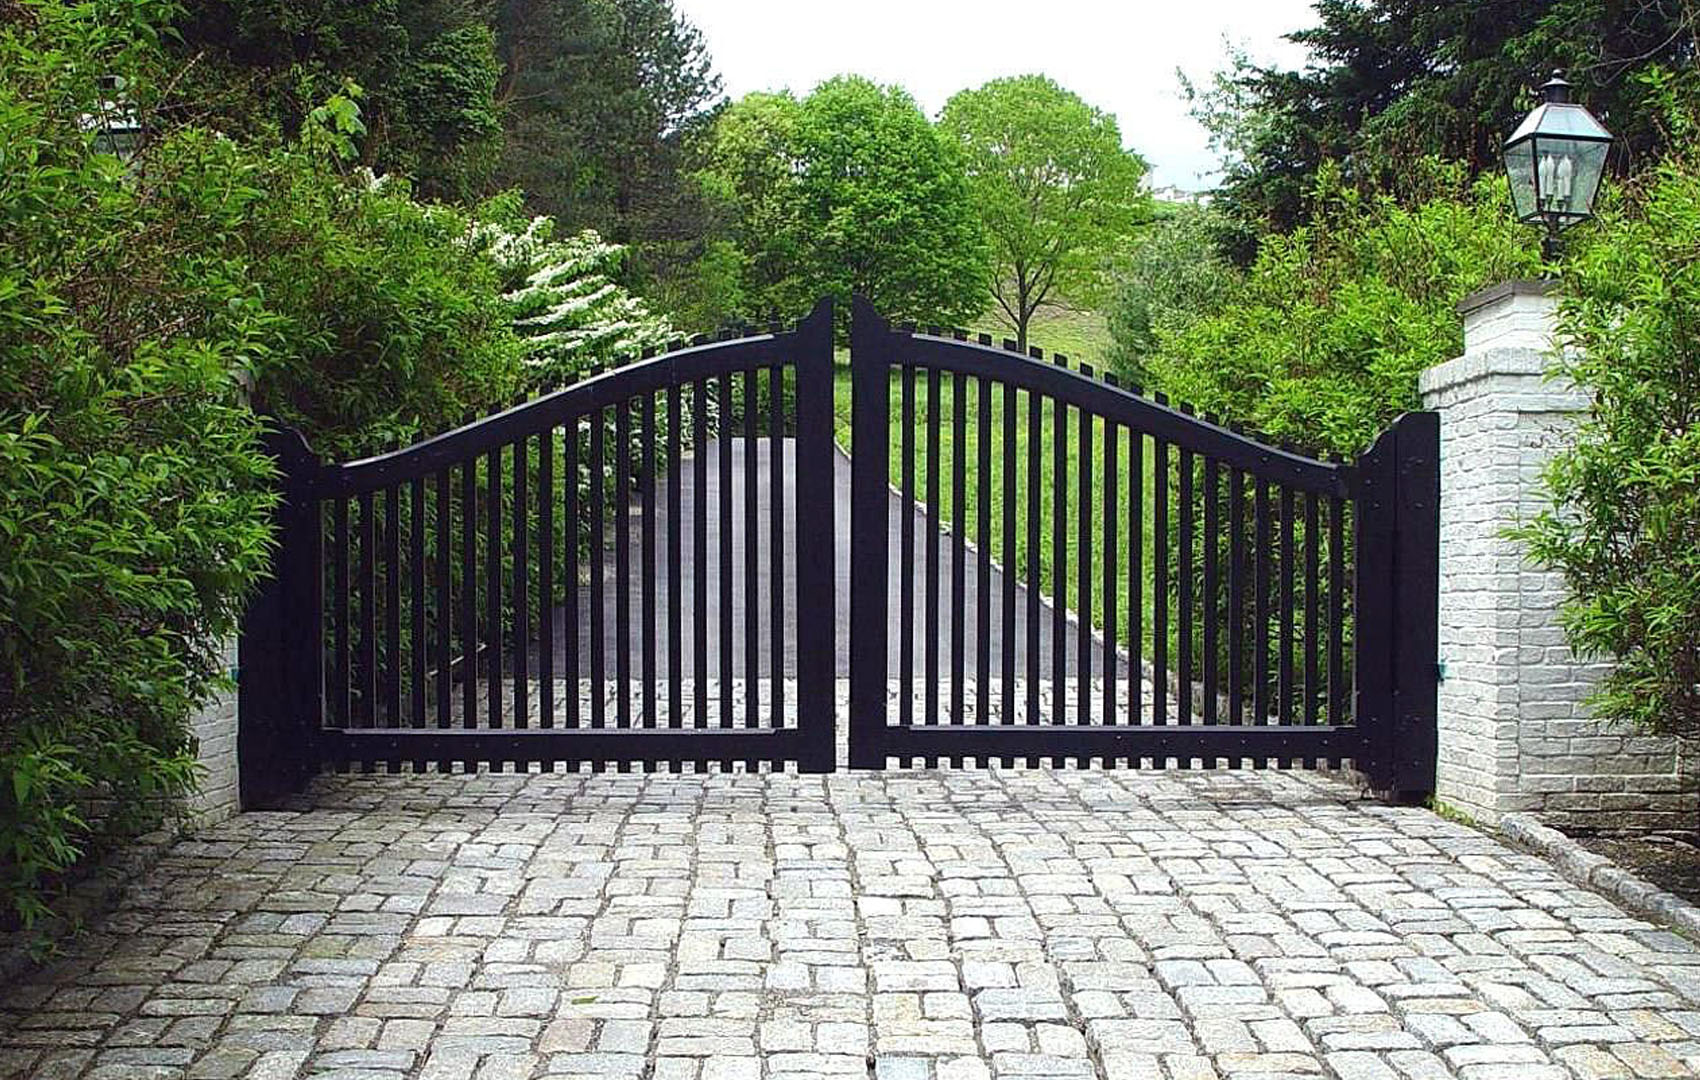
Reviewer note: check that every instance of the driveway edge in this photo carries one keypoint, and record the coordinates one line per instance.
(1594, 871)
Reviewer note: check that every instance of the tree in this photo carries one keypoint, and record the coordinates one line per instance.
(851, 190)
(883, 207)
(1174, 275)
(750, 168)
(598, 95)
(427, 68)
(1056, 192)
(1390, 81)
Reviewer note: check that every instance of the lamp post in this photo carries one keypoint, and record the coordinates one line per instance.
(1555, 160)
(117, 131)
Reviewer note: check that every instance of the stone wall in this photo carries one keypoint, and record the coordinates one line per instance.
(1515, 733)
(215, 730)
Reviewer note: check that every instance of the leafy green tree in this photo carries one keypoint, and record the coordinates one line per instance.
(851, 190)
(1624, 521)
(387, 325)
(1173, 275)
(1322, 342)
(1056, 192)
(749, 167)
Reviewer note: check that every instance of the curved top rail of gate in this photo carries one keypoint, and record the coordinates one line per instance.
(703, 360)
(1123, 406)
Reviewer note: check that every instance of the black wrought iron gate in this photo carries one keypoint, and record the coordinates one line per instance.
(639, 570)
(514, 592)
(1090, 574)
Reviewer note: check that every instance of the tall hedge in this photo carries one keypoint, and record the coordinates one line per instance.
(1624, 521)
(134, 506)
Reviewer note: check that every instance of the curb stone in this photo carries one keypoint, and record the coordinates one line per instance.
(1599, 873)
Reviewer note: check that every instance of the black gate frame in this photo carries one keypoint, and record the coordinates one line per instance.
(1395, 486)
(283, 737)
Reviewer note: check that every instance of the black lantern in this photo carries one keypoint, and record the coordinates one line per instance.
(116, 129)
(1555, 160)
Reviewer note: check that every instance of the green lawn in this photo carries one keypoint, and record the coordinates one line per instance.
(1076, 336)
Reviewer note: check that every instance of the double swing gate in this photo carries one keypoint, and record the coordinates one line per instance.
(643, 569)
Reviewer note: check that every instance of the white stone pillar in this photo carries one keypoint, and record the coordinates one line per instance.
(214, 728)
(1515, 734)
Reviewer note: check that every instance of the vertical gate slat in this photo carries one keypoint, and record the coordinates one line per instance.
(520, 641)
(1312, 626)
(1236, 601)
(958, 536)
(1011, 560)
(392, 660)
(1260, 604)
(1135, 578)
(1337, 685)
(1059, 561)
(416, 603)
(622, 492)
(469, 597)
(1112, 552)
(776, 542)
(493, 592)
(906, 558)
(752, 555)
(1285, 698)
(1083, 574)
(1184, 590)
(1212, 587)
(598, 569)
(933, 628)
(1035, 583)
(647, 568)
(444, 624)
(340, 703)
(699, 549)
(368, 614)
(675, 557)
(1160, 582)
(724, 480)
(546, 581)
(574, 640)
(983, 535)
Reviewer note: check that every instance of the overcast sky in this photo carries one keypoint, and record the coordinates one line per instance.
(1119, 55)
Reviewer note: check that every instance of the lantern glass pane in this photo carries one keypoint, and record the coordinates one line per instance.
(1520, 167)
(1567, 175)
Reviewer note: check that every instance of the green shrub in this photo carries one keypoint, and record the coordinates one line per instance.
(1324, 339)
(134, 506)
(388, 324)
(1624, 525)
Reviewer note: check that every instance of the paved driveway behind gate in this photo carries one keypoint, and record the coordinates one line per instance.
(940, 925)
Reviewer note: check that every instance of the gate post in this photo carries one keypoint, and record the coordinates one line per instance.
(817, 621)
(870, 542)
(280, 662)
(1396, 543)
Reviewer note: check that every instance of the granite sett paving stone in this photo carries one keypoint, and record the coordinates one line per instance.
(907, 925)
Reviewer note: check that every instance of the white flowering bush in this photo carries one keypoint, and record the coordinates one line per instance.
(566, 304)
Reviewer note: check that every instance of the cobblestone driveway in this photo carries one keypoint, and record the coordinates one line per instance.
(914, 925)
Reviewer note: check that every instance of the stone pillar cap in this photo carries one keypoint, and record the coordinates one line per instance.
(1504, 290)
